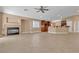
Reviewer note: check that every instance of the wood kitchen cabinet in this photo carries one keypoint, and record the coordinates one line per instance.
(44, 26)
(63, 23)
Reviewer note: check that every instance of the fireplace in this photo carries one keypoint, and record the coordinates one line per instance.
(12, 30)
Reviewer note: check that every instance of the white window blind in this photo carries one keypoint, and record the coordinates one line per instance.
(36, 24)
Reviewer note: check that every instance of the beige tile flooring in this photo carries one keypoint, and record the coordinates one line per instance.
(40, 42)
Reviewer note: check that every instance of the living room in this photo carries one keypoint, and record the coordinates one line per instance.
(39, 28)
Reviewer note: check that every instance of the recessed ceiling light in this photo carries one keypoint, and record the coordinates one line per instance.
(25, 9)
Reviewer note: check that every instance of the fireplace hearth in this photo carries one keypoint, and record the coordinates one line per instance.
(12, 30)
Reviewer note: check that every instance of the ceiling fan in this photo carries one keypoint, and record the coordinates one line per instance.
(42, 9)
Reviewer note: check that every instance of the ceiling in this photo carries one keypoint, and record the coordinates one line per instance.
(54, 13)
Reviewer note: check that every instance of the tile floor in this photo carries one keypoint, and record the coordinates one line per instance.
(40, 43)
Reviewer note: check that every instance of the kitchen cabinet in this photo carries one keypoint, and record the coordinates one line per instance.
(45, 25)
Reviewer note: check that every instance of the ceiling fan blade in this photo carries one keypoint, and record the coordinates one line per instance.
(41, 7)
(25, 9)
(36, 8)
(46, 9)
(42, 11)
(37, 11)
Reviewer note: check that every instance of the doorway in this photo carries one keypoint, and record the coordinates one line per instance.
(25, 26)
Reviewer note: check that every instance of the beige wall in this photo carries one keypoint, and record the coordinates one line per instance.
(74, 20)
(26, 25)
(10, 21)
(0, 23)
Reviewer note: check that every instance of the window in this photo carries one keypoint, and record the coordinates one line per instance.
(36, 24)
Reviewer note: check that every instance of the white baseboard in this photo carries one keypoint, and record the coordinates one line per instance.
(59, 32)
(73, 32)
(31, 32)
